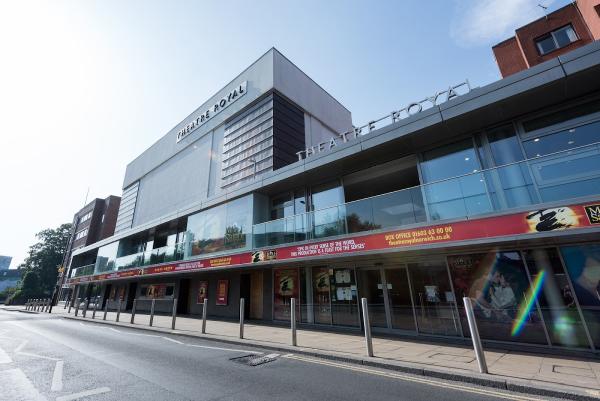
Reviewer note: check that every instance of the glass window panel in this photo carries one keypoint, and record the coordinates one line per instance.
(570, 190)
(327, 195)
(433, 299)
(504, 145)
(556, 298)
(371, 287)
(344, 298)
(449, 161)
(398, 208)
(399, 295)
(563, 115)
(106, 259)
(564, 36)
(287, 286)
(563, 140)
(546, 44)
(359, 216)
(583, 266)
(498, 286)
(321, 295)
(517, 184)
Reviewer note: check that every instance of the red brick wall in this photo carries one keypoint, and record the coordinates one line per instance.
(590, 11)
(509, 57)
(566, 15)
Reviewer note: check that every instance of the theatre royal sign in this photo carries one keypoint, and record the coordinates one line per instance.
(409, 110)
(208, 113)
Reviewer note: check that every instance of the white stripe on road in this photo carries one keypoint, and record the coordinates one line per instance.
(21, 346)
(76, 396)
(57, 382)
(272, 355)
(4, 358)
(172, 340)
(118, 331)
(17, 387)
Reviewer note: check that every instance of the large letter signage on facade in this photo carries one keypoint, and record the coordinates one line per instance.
(409, 110)
(212, 111)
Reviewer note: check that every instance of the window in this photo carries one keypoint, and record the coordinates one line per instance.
(452, 160)
(559, 141)
(85, 217)
(556, 39)
(81, 234)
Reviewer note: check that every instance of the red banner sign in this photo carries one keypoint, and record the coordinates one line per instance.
(536, 221)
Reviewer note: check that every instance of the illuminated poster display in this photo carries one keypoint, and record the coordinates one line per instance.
(202, 292)
(222, 292)
(286, 287)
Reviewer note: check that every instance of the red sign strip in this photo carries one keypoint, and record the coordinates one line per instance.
(536, 221)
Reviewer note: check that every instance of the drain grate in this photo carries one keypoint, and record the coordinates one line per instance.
(255, 360)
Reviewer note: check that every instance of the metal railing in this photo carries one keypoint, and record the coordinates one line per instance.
(505, 187)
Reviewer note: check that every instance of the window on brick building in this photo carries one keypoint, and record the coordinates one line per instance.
(556, 39)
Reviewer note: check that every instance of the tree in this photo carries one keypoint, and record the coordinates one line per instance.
(43, 261)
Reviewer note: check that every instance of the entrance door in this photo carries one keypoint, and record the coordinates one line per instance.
(433, 299)
(245, 292)
(371, 287)
(399, 296)
(131, 295)
(183, 299)
(256, 295)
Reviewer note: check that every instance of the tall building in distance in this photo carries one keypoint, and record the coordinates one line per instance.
(5, 262)
(566, 29)
(94, 222)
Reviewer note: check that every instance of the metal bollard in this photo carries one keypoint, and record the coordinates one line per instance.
(49, 306)
(152, 311)
(76, 306)
(95, 308)
(475, 336)
(85, 307)
(241, 317)
(27, 304)
(133, 311)
(66, 302)
(70, 306)
(174, 314)
(35, 304)
(105, 309)
(46, 305)
(293, 321)
(118, 310)
(204, 312)
(367, 324)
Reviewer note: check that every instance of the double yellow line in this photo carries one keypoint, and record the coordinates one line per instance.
(414, 379)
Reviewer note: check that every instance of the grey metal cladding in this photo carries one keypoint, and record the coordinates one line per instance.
(248, 145)
(127, 208)
(177, 183)
(259, 76)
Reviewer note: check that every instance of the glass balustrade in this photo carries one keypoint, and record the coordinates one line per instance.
(83, 271)
(540, 179)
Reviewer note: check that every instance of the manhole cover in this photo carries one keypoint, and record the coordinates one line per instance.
(255, 360)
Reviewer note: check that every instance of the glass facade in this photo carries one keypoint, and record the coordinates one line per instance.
(221, 228)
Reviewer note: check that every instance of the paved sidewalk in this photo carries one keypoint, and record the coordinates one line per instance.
(575, 375)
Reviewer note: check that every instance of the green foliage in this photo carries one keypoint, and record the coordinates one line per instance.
(41, 264)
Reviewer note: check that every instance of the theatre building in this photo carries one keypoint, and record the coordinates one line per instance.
(268, 192)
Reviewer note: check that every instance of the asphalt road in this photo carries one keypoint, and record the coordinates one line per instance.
(50, 358)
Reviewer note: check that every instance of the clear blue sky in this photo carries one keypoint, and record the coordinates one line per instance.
(86, 86)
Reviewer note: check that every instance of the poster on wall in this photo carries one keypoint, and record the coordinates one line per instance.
(222, 290)
(286, 287)
(202, 292)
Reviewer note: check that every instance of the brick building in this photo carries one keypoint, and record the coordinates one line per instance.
(560, 32)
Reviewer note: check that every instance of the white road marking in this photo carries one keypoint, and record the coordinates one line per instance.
(118, 331)
(57, 377)
(272, 355)
(87, 393)
(21, 346)
(224, 349)
(17, 387)
(172, 340)
(404, 377)
(4, 358)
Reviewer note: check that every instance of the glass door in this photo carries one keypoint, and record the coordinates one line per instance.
(321, 295)
(371, 287)
(399, 296)
(433, 299)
